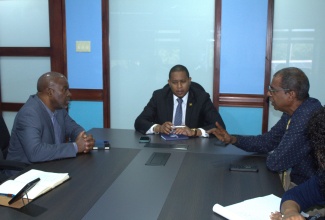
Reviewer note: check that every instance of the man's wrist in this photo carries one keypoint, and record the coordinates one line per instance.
(75, 146)
(233, 139)
(156, 129)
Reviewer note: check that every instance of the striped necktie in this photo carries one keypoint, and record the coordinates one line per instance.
(178, 113)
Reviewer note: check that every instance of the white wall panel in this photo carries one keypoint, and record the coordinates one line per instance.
(299, 41)
(24, 23)
(19, 75)
(147, 38)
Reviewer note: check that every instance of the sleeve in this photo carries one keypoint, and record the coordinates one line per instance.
(307, 194)
(266, 142)
(35, 137)
(293, 148)
(147, 117)
(72, 129)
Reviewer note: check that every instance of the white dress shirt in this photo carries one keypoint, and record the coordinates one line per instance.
(184, 105)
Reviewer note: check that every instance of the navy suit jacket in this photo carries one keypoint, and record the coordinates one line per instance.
(32, 137)
(200, 111)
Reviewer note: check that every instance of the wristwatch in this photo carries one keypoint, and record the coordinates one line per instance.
(195, 131)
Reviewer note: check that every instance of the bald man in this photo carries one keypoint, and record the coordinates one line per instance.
(43, 130)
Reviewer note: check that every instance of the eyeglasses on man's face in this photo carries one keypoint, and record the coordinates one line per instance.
(272, 90)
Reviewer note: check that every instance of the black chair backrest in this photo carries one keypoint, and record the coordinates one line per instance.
(5, 137)
(193, 85)
(7, 167)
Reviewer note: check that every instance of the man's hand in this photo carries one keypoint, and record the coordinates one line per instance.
(90, 142)
(287, 216)
(165, 128)
(85, 142)
(290, 210)
(276, 216)
(187, 131)
(222, 134)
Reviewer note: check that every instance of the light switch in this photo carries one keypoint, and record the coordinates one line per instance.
(83, 46)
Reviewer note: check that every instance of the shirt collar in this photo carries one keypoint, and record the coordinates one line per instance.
(185, 97)
(51, 114)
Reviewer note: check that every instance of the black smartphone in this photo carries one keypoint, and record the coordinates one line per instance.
(144, 139)
(24, 191)
(101, 145)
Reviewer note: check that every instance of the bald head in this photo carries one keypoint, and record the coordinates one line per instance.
(53, 90)
(47, 79)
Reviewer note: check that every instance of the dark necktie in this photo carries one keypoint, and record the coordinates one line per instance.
(178, 113)
(57, 130)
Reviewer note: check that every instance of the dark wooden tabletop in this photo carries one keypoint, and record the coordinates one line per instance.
(116, 183)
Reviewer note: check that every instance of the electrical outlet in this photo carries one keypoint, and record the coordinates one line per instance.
(83, 46)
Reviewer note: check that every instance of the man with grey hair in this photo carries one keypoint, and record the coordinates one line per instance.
(286, 143)
(43, 130)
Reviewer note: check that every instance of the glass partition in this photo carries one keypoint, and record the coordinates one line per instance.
(147, 38)
(242, 120)
(243, 46)
(19, 76)
(299, 41)
(25, 28)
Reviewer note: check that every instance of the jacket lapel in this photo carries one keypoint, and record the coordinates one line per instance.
(170, 107)
(45, 116)
(189, 108)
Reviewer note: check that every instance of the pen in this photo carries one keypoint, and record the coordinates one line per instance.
(178, 126)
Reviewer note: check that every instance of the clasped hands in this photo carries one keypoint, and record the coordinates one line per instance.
(168, 128)
(85, 142)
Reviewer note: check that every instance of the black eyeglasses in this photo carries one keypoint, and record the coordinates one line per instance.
(271, 90)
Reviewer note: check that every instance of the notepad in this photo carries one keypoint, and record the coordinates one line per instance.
(251, 209)
(174, 137)
(48, 181)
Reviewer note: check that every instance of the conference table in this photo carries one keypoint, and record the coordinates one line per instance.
(180, 179)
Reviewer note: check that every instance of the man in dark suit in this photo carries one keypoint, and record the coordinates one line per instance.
(43, 125)
(198, 113)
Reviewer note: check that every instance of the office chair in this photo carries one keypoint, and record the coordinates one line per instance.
(193, 85)
(4, 144)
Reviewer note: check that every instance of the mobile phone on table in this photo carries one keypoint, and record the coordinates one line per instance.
(243, 168)
(24, 191)
(144, 139)
(101, 145)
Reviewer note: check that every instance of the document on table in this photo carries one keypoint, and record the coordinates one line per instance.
(251, 209)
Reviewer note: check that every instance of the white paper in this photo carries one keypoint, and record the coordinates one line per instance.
(223, 211)
(253, 209)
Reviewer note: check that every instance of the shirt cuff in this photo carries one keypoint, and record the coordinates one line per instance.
(151, 131)
(203, 133)
(75, 146)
